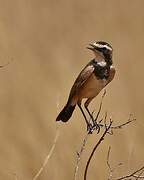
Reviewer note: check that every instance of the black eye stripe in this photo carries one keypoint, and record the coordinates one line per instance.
(102, 49)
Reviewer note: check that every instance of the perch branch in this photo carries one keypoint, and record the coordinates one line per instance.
(95, 148)
(108, 129)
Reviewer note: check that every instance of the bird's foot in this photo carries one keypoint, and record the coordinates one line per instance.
(90, 128)
(93, 126)
(96, 127)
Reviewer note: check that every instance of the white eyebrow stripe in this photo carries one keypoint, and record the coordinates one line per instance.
(102, 46)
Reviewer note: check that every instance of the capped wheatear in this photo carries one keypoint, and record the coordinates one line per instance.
(92, 79)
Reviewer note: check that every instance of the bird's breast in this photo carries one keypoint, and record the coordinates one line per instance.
(92, 87)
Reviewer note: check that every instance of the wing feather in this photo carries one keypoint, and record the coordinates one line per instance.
(81, 79)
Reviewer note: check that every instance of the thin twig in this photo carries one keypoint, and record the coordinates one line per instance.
(47, 157)
(132, 174)
(79, 154)
(139, 176)
(124, 124)
(117, 126)
(111, 170)
(108, 157)
(95, 148)
(108, 164)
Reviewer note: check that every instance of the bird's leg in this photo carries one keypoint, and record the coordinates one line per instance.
(86, 107)
(89, 126)
(90, 114)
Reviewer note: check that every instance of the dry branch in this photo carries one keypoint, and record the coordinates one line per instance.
(128, 177)
(111, 170)
(47, 157)
(130, 119)
(79, 154)
(108, 164)
(134, 174)
(108, 129)
(95, 148)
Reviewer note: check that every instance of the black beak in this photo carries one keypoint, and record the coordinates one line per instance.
(92, 47)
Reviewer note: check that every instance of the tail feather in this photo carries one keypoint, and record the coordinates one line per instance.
(66, 113)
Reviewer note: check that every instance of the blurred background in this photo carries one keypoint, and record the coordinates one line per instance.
(45, 42)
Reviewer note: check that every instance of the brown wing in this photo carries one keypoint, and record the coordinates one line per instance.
(81, 79)
(111, 75)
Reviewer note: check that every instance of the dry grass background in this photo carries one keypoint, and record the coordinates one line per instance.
(47, 40)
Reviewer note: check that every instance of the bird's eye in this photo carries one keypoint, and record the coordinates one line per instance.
(104, 48)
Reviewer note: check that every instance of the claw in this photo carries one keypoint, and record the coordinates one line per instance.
(90, 128)
(96, 127)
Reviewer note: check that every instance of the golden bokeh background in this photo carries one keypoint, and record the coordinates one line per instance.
(45, 42)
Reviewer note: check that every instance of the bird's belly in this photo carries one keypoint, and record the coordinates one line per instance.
(92, 87)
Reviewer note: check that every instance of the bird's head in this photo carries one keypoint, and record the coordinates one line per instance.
(102, 48)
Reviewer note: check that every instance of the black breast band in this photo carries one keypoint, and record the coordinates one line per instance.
(101, 72)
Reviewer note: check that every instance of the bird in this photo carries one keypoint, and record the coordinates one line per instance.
(98, 73)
